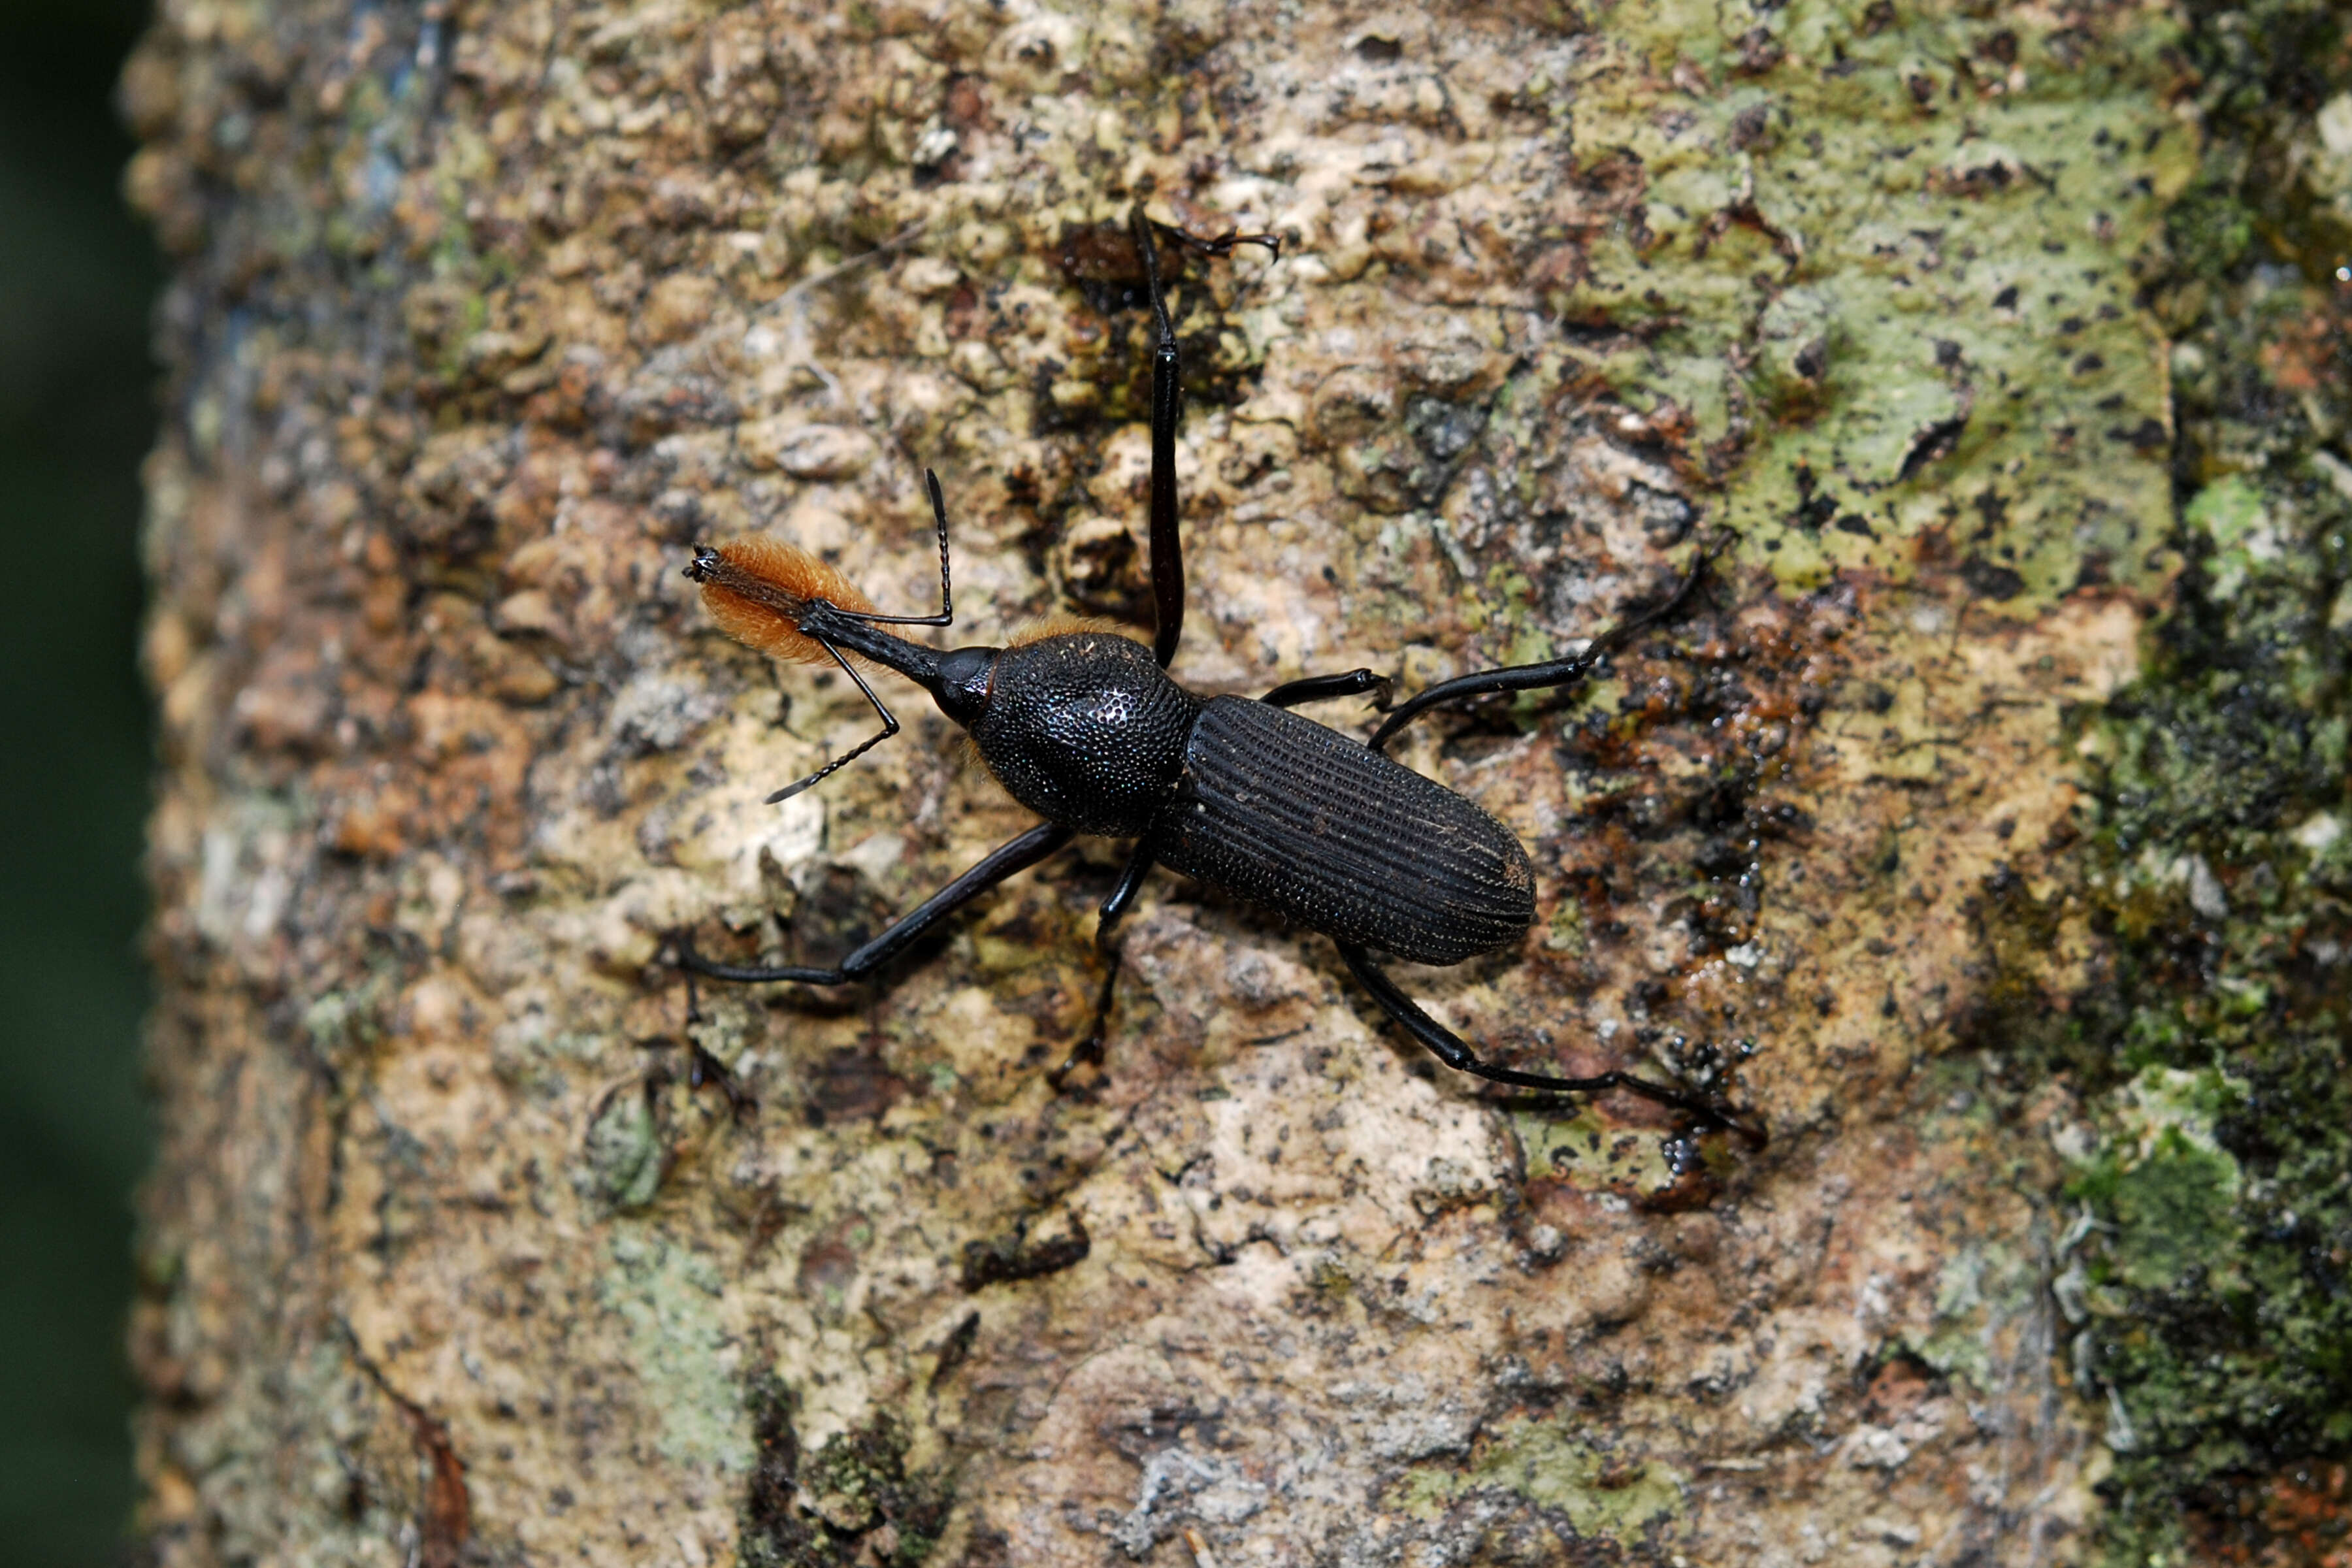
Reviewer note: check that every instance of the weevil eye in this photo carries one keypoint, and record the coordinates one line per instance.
(965, 676)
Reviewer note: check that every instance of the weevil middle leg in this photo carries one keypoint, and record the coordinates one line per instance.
(1550, 673)
(1088, 1052)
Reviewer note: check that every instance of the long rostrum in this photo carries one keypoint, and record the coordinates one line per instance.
(916, 663)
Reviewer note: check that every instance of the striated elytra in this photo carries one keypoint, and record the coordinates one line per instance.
(1337, 837)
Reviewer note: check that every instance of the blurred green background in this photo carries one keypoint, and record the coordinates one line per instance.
(78, 280)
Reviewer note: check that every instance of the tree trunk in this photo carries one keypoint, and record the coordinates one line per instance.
(477, 1237)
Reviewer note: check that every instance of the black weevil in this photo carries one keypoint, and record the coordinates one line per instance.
(1084, 728)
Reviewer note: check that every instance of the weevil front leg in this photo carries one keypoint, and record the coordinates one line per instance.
(1454, 1052)
(1006, 860)
(1167, 409)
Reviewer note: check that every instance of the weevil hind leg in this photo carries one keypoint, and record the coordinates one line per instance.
(1454, 1052)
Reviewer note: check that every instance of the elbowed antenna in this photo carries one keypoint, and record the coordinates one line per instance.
(784, 601)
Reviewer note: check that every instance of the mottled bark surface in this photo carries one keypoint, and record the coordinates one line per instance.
(470, 1242)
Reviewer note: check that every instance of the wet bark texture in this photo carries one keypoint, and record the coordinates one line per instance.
(474, 1240)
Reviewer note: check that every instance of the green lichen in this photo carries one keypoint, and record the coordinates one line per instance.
(1588, 1154)
(2215, 1051)
(1989, 1288)
(344, 1025)
(1598, 1495)
(2210, 1282)
(669, 1299)
(1923, 307)
(1983, 1290)
(2172, 1192)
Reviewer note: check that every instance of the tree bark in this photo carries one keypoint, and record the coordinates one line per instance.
(477, 1237)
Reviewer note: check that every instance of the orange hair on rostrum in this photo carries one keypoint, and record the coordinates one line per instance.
(765, 582)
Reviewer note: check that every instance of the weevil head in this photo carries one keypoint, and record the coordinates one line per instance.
(966, 677)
